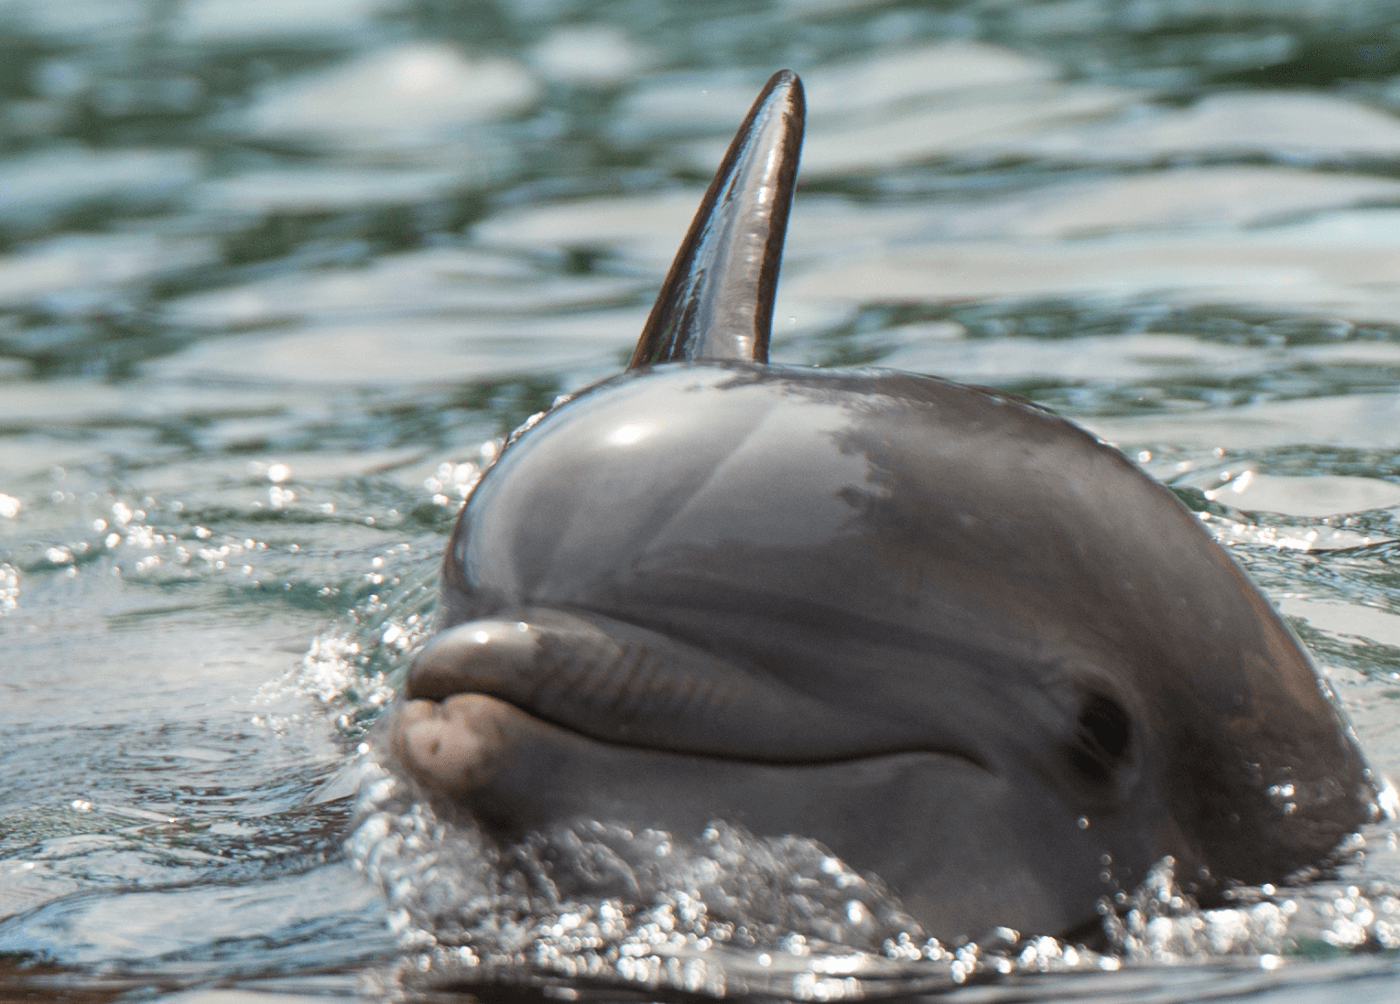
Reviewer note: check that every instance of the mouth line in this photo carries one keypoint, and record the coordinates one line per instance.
(875, 752)
(634, 688)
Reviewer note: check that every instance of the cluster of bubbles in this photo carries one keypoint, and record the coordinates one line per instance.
(451, 483)
(9, 588)
(352, 669)
(724, 913)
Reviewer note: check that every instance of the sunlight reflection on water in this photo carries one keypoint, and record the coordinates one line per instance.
(271, 274)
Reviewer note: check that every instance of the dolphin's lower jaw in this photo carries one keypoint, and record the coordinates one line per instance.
(963, 847)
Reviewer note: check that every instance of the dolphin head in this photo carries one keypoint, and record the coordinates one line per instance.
(951, 636)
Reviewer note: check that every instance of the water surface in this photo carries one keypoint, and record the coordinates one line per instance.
(276, 278)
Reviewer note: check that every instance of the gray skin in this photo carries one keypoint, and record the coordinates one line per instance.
(951, 636)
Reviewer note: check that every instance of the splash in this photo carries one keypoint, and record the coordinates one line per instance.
(729, 913)
(723, 913)
(351, 670)
(1160, 923)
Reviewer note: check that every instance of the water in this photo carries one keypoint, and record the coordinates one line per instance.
(275, 278)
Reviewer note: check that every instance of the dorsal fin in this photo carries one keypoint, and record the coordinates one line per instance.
(717, 300)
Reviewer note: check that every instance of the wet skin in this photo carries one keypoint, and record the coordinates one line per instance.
(942, 631)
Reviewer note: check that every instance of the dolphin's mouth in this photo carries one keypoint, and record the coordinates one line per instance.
(483, 691)
(517, 774)
(560, 718)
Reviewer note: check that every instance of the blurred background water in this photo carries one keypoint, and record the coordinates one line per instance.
(277, 275)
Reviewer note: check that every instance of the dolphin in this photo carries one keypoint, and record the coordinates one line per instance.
(953, 637)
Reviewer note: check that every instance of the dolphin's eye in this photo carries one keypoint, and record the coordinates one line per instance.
(1102, 737)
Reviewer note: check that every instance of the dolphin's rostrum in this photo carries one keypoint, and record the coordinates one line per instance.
(951, 636)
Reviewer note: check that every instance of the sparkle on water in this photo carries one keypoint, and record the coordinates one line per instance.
(276, 278)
